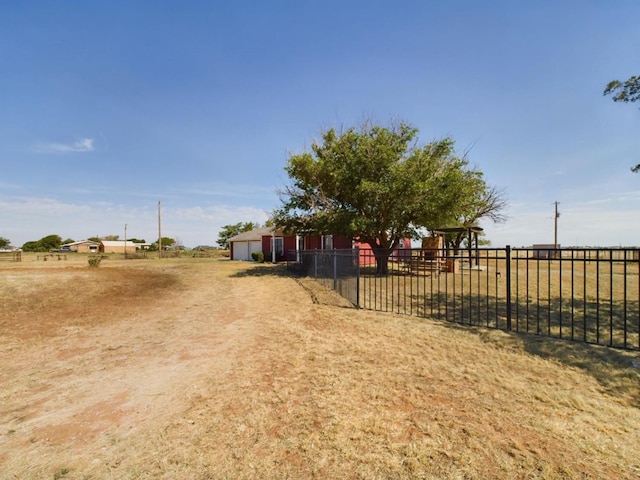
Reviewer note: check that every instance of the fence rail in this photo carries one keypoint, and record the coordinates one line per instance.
(582, 294)
(336, 269)
(12, 256)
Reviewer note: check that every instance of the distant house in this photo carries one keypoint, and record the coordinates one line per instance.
(83, 246)
(269, 240)
(117, 246)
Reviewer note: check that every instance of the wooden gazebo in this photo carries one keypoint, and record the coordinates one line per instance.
(472, 234)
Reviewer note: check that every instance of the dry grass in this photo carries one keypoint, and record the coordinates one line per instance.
(586, 300)
(206, 369)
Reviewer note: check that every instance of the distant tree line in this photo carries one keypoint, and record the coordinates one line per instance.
(51, 242)
(44, 244)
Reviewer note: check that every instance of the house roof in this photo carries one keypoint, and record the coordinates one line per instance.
(470, 228)
(82, 242)
(255, 234)
(117, 243)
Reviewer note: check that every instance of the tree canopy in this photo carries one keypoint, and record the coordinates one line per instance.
(4, 242)
(44, 244)
(486, 202)
(167, 242)
(376, 184)
(229, 231)
(627, 91)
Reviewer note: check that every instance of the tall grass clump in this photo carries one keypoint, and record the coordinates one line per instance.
(94, 261)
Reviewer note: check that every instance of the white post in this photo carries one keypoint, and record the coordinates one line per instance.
(273, 246)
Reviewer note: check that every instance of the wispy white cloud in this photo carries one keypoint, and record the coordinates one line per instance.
(81, 145)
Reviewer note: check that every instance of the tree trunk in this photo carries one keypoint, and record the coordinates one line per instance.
(382, 259)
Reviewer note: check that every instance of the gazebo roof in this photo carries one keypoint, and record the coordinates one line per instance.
(472, 229)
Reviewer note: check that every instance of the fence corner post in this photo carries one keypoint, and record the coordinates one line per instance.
(508, 279)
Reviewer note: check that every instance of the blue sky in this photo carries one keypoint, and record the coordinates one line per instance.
(107, 108)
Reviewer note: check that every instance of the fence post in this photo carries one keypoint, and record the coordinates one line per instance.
(508, 292)
(335, 270)
(315, 264)
(357, 260)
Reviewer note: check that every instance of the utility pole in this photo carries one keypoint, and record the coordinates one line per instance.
(555, 226)
(159, 232)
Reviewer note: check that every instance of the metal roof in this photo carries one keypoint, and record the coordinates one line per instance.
(117, 243)
(472, 229)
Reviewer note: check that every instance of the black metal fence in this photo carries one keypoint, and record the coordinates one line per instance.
(336, 269)
(582, 294)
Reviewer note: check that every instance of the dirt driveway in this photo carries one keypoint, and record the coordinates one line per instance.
(101, 362)
(198, 369)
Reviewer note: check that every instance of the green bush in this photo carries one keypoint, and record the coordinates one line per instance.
(94, 261)
(257, 257)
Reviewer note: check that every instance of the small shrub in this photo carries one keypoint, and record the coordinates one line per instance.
(257, 257)
(94, 261)
(60, 473)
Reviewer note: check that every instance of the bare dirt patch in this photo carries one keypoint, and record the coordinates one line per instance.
(206, 368)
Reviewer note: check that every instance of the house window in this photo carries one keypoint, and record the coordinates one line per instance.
(327, 242)
(279, 245)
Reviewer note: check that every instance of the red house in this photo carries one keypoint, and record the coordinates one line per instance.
(276, 245)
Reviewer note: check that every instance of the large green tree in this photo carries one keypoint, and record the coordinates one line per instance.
(4, 242)
(44, 244)
(376, 184)
(627, 91)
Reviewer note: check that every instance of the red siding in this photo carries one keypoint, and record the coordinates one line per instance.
(367, 257)
(289, 244)
(314, 242)
(342, 242)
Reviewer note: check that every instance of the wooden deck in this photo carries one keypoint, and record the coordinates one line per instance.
(425, 266)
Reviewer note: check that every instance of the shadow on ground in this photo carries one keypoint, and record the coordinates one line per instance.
(262, 270)
(616, 370)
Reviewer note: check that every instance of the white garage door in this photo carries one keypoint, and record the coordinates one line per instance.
(242, 250)
(254, 247)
